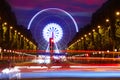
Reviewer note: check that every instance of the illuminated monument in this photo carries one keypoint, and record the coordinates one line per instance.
(53, 27)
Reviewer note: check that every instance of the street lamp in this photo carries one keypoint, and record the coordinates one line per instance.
(108, 51)
(18, 33)
(82, 38)
(117, 13)
(93, 30)
(79, 40)
(115, 50)
(21, 35)
(5, 23)
(11, 27)
(98, 26)
(1, 52)
(107, 20)
(15, 31)
(85, 35)
(89, 33)
(0, 49)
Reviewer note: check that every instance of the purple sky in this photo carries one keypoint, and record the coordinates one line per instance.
(81, 10)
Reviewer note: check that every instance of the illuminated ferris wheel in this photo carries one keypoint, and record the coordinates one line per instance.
(53, 22)
(52, 30)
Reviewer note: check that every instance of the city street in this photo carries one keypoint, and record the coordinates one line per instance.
(70, 71)
(59, 39)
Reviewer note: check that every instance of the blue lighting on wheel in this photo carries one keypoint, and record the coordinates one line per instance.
(63, 11)
(53, 21)
(52, 29)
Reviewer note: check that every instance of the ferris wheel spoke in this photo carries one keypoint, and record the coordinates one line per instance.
(42, 27)
(52, 29)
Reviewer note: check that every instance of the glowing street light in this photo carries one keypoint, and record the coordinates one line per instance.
(82, 38)
(0, 49)
(21, 35)
(11, 27)
(18, 33)
(85, 35)
(98, 26)
(79, 40)
(115, 50)
(5, 23)
(15, 31)
(117, 13)
(1, 52)
(108, 51)
(93, 30)
(107, 20)
(89, 33)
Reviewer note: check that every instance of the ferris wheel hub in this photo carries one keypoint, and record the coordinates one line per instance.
(52, 30)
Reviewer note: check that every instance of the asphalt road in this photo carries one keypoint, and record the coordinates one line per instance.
(70, 72)
(33, 71)
(72, 79)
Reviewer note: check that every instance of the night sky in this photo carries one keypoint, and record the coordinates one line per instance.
(81, 10)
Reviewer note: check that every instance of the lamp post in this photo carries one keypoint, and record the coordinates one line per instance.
(1, 53)
(117, 13)
(117, 26)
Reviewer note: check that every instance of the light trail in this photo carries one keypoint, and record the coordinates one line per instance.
(32, 54)
(94, 58)
(62, 51)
